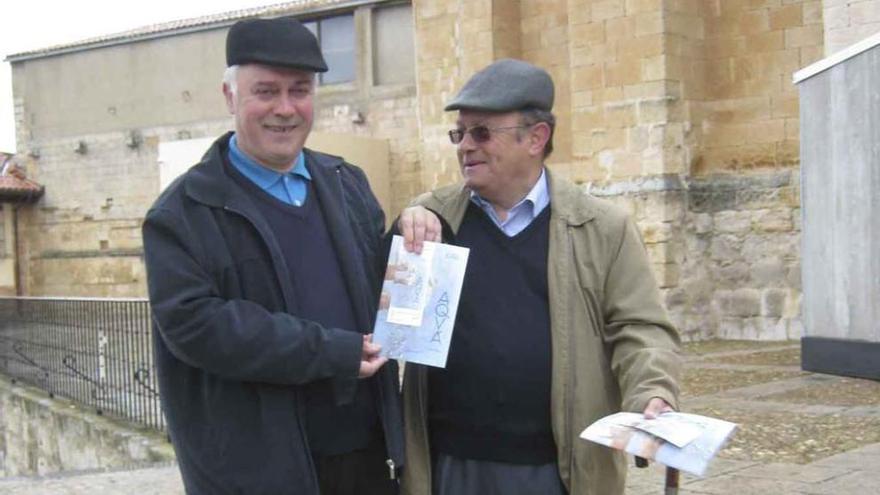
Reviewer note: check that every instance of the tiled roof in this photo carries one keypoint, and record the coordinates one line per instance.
(15, 190)
(15, 187)
(184, 25)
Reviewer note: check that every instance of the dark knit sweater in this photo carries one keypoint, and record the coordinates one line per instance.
(492, 401)
(321, 296)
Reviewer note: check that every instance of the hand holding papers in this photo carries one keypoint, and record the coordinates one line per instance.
(419, 301)
(684, 441)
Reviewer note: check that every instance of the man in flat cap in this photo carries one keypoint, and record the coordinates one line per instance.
(263, 274)
(560, 321)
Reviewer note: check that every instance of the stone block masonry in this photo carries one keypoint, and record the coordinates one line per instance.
(742, 264)
(725, 250)
(848, 21)
(683, 111)
(41, 436)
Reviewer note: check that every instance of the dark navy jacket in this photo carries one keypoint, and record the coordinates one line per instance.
(229, 355)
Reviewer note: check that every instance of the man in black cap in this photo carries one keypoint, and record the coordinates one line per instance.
(263, 275)
(560, 321)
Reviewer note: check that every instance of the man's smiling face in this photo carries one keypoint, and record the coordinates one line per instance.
(505, 166)
(273, 109)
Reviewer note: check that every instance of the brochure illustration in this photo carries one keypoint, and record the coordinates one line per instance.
(419, 301)
(687, 442)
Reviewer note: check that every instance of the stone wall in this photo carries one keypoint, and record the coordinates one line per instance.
(741, 273)
(84, 238)
(442, 30)
(625, 105)
(740, 270)
(96, 154)
(725, 251)
(7, 250)
(683, 111)
(392, 117)
(848, 22)
(40, 436)
(747, 110)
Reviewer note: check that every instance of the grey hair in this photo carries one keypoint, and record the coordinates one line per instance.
(230, 78)
(532, 116)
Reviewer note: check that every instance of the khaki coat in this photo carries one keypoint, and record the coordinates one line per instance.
(613, 347)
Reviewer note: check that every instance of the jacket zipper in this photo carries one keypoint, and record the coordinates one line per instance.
(301, 421)
(341, 190)
(392, 469)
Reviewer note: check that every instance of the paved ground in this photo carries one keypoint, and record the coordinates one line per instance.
(800, 433)
(156, 480)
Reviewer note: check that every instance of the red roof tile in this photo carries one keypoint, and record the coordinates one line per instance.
(19, 190)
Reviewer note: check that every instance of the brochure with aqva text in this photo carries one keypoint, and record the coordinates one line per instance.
(418, 303)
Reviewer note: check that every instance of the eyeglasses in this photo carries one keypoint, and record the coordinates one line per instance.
(479, 133)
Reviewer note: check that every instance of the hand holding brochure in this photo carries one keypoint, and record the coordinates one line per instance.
(683, 441)
(419, 302)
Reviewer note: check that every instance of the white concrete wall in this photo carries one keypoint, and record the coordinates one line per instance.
(840, 174)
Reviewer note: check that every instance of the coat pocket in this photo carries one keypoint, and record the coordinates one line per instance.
(590, 282)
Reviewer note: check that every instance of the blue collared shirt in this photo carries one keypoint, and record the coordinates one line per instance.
(290, 187)
(523, 213)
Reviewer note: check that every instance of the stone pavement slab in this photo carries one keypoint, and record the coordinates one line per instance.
(855, 483)
(742, 485)
(795, 472)
(650, 480)
(164, 480)
(855, 473)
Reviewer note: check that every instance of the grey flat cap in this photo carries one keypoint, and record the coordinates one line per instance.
(506, 85)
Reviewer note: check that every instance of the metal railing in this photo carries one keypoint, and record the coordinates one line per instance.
(93, 351)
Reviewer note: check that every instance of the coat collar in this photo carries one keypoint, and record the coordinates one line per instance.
(568, 202)
(208, 182)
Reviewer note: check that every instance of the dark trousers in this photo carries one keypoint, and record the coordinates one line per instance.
(362, 472)
(454, 476)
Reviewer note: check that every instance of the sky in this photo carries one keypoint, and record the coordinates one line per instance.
(34, 24)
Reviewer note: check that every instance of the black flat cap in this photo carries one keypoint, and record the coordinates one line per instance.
(506, 85)
(281, 41)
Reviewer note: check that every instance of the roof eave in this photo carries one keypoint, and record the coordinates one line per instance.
(27, 196)
(294, 8)
(25, 56)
